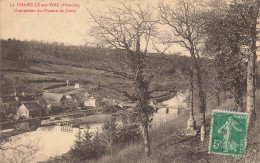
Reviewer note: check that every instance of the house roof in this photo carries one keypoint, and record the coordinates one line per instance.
(33, 106)
(64, 97)
(8, 99)
(20, 98)
(52, 98)
(74, 96)
(27, 98)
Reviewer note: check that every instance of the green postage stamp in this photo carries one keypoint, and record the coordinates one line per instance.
(228, 133)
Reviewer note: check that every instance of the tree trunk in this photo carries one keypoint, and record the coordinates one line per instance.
(203, 128)
(217, 95)
(251, 87)
(250, 99)
(141, 86)
(202, 102)
(250, 108)
(147, 149)
(191, 94)
(238, 96)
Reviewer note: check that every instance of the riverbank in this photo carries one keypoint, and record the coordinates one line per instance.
(169, 144)
(123, 155)
(91, 119)
(87, 120)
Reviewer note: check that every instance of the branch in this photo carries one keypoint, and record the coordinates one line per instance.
(131, 97)
(150, 77)
(122, 74)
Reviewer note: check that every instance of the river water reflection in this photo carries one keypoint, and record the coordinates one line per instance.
(51, 140)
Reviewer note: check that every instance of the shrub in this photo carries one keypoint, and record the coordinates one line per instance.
(128, 134)
(109, 133)
(88, 146)
(111, 108)
(22, 117)
(120, 135)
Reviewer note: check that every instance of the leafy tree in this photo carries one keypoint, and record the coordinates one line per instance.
(224, 43)
(14, 50)
(109, 129)
(248, 10)
(237, 35)
(129, 133)
(88, 146)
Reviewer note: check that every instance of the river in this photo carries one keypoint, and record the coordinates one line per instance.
(51, 140)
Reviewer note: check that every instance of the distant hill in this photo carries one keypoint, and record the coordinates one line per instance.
(40, 65)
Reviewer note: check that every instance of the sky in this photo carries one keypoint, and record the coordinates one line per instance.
(69, 28)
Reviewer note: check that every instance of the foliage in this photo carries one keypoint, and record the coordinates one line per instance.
(169, 145)
(14, 50)
(88, 146)
(111, 108)
(68, 104)
(231, 73)
(17, 84)
(129, 134)
(129, 28)
(131, 153)
(109, 129)
(120, 135)
(225, 42)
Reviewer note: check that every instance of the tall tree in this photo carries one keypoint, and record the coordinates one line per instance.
(186, 30)
(129, 29)
(249, 11)
(242, 16)
(224, 44)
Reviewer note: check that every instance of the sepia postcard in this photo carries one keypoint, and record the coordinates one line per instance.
(129, 81)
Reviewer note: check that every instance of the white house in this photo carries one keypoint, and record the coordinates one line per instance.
(77, 85)
(22, 111)
(90, 102)
(29, 110)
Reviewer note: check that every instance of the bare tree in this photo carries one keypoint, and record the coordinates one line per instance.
(129, 29)
(185, 29)
(18, 148)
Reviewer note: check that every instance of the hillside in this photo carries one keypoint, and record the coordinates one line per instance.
(33, 66)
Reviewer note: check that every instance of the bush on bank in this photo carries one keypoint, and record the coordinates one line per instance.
(92, 145)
